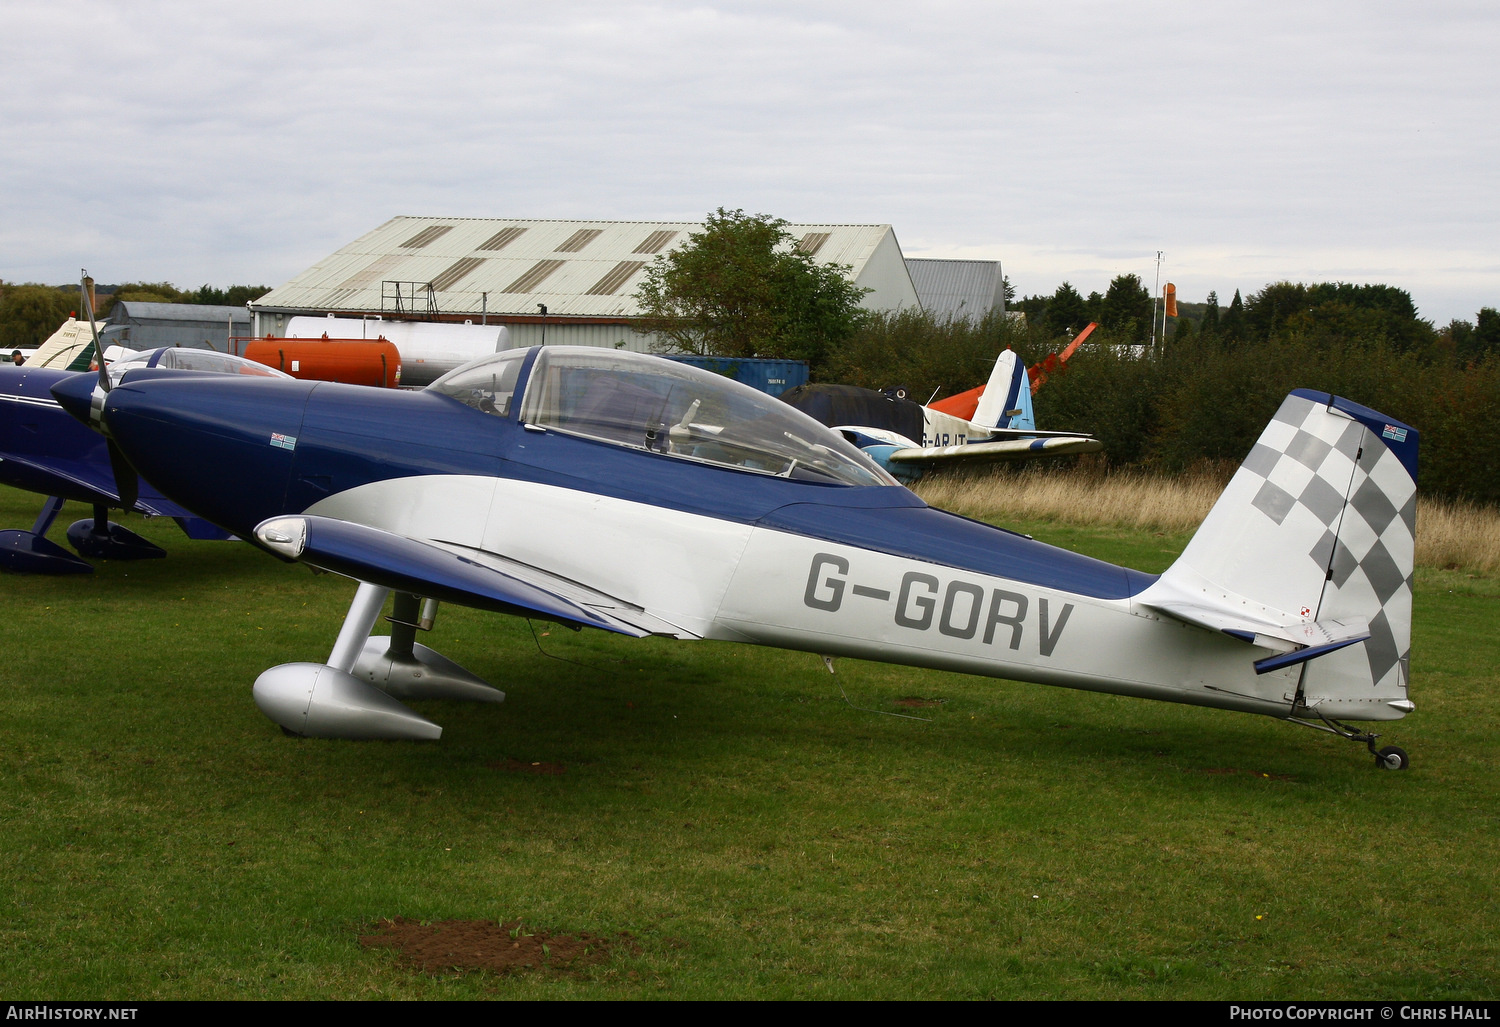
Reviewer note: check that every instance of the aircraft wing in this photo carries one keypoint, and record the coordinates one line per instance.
(93, 482)
(1025, 448)
(452, 573)
(85, 476)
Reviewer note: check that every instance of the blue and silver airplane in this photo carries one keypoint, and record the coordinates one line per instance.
(1000, 426)
(637, 495)
(44, 450)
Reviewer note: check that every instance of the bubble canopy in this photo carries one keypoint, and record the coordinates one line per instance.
(659, 406)
(183, 358)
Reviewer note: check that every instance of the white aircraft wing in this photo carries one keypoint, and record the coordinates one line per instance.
(1004, 449)
(453, 573)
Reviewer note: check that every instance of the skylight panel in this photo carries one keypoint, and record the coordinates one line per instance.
(502, 238)
(618, 276)
(579, 239)
(426, 236)
(812, 242)
(655, 241)
(456, 272)
(535, 277)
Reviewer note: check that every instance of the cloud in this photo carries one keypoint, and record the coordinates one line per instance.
(1253, 142)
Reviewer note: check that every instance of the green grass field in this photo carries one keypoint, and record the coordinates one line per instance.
(756, 835)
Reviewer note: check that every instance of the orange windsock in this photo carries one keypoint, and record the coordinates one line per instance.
(1171, 295)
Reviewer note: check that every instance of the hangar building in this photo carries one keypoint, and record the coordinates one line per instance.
(141, 325)
(957, 288)
(499, 270)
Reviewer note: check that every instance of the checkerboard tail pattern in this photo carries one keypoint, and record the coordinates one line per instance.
(1319, 523)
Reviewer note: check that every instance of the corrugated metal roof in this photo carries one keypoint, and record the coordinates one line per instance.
(138, 312)
(519, 263)
(956, 288)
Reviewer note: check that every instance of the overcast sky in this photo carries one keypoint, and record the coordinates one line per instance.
(1251, 142)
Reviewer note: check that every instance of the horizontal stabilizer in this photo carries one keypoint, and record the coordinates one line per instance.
(407, 565)
(1312, 652)
(1191, 599)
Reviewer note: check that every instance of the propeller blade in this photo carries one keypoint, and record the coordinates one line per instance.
(88, 305)
(127, 481)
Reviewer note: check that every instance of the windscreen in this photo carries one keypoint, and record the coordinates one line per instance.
(660, 406)
(487, 384)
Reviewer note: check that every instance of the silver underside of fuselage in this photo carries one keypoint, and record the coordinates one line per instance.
(695, 576)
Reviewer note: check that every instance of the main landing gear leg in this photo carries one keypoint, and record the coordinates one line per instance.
(1390, 757)
(353, 694)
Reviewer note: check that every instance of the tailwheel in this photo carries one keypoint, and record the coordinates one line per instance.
(1392, 758)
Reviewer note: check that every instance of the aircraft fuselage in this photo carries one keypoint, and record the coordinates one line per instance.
(867, 572)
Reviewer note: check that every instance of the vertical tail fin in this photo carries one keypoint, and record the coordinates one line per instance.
(1006, 402)
(1309, 552)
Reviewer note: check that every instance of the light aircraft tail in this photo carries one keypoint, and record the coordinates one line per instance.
(1309, 554)
(1006, 401)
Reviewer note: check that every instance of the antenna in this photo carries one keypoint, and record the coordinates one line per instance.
(1155, 295)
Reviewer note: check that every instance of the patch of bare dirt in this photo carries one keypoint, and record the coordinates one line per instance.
(516, 766)
(443, 945)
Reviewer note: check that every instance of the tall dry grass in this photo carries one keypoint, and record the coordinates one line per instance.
(1450, 535)
(1458, 536)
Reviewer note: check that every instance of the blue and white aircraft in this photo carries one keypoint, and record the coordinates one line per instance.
(632, 494)
(44, 450)
(887, 425)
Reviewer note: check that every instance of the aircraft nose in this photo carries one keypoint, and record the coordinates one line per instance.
(221, 445)
(76, 395)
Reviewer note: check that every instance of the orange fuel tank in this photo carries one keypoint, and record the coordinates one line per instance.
(351, 361)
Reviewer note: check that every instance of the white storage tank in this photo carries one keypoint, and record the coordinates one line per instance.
(429, 349)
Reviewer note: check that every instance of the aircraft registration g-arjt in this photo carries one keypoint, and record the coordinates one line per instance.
(633, 494)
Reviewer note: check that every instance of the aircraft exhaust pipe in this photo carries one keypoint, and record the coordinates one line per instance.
(317, 701)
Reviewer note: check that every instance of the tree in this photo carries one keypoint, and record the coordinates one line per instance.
(139, 292)
(234, 296)
(29, 314)
(1066, 313)
(1268, 310)
(740, 288)
(1126, 311)
(1486, 333)
(1233, 327)
(1210, 325)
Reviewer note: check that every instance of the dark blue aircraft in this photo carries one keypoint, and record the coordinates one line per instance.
(45, 450)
